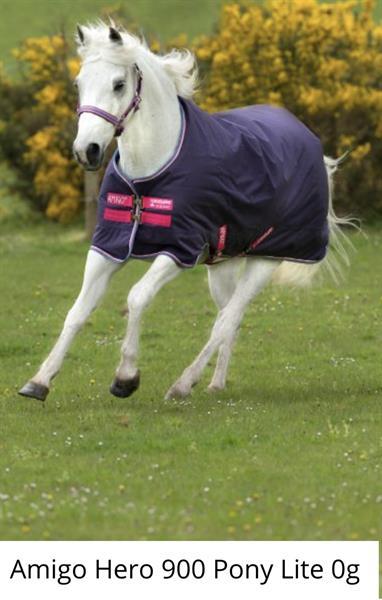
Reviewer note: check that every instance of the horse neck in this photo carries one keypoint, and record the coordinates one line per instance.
(151, 133)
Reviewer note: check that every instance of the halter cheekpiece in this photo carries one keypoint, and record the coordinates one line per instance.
(117, 121)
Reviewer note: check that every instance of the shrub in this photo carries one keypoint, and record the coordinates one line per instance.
(321, 61)
(36, 131)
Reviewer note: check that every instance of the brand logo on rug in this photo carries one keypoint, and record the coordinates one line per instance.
(119, 199)
(157, 203)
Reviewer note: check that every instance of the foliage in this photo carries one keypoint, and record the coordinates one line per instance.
(36, 131)
(321, 61)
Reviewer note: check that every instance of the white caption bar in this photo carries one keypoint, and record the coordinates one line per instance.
(173, 570)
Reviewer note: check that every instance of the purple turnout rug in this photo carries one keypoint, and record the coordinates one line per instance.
(249, 181)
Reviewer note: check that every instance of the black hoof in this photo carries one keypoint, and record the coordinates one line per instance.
(34, 390)
(124, 388)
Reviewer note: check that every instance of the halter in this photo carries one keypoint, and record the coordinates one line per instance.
(117, 121)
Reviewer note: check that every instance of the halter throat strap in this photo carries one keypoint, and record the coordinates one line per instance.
(117, 121)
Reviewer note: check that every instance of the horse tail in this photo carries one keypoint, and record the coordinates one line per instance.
(337, 257)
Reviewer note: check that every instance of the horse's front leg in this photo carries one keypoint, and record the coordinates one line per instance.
(257, 273)
(98, 271)
(161, 271)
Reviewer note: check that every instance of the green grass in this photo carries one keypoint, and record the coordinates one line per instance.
(291, 450)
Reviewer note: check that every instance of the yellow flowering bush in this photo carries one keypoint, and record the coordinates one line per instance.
(37, 126)
(56, 177)
(321, 61)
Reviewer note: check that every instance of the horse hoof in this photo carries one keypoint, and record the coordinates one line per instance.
(34, 390)
(123, 388)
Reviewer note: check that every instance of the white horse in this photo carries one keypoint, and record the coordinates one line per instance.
(147, 140)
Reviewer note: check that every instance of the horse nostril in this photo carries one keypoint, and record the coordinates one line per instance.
(93, 153)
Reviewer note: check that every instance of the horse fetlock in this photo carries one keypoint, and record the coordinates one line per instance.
(126, 368)
(180, 389)
(216, 386)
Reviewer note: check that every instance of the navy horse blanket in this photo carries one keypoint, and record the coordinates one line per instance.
(245, 182)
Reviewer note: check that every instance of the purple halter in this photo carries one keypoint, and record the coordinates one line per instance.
(117, 121)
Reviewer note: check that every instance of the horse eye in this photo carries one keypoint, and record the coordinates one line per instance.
(118, 86)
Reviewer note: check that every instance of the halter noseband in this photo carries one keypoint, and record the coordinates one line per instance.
(117, 121)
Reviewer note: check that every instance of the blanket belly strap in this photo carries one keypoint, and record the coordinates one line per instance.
(260, 239)
(222, 238)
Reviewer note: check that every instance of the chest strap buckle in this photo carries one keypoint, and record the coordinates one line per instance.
(137, 209)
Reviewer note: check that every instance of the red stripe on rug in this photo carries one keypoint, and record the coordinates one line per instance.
(222, 236)
(154, 219)
(261, 238)
(119, 216)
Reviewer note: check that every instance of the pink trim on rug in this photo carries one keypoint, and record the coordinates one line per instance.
(119, 216)
(222, 237)
(154, 219)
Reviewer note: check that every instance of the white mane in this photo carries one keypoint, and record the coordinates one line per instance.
(180, 65)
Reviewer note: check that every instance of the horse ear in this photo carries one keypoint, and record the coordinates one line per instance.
(80, 36)
(115, 36)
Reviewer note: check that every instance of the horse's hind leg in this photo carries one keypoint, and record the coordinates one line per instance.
(98, 271)
(256, 274)
(223, 278)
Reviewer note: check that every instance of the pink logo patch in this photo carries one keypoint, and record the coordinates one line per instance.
(119, 200)
(157, 203)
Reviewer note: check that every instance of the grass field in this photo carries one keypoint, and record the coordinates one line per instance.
(291, 450)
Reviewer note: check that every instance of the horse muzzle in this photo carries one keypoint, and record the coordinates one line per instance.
(90, 158)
